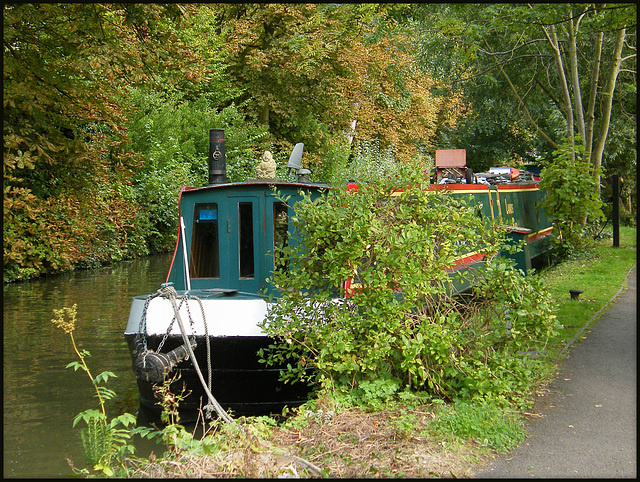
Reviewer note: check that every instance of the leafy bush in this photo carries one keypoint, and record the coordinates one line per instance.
(367, 162)
(172, 138)
(404, 322)
(87, 228)
(572, 197)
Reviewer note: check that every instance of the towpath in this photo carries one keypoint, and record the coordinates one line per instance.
(587, 426)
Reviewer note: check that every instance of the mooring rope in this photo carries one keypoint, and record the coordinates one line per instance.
(170, 293)
(207, 407)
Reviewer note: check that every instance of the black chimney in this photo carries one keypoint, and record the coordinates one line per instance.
(217, 159)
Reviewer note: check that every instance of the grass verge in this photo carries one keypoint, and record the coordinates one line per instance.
(599, 274)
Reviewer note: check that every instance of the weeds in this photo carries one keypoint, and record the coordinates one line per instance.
(225, 449)
(105, 442)
(486, 424)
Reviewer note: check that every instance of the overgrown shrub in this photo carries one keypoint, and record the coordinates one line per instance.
(87, 228)
(572, 200)
(404, 321)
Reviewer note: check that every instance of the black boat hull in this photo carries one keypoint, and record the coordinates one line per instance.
(239, 382)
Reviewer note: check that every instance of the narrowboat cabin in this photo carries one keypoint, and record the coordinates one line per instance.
(510, 198)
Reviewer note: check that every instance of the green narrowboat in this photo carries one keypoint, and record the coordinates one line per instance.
(204, 322)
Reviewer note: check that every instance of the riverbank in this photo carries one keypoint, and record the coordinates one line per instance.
(407, 437)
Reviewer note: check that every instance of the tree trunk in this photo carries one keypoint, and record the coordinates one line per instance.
(568, 109)
(607, 101)
(575, 79)
(590, 118)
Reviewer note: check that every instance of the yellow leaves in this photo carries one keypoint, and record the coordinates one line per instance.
(391, 97)
(17, 160)
(65, 318)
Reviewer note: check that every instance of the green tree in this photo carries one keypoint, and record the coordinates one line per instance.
(572, 195)
(171, 136)
(286, 58)
(559, 62)
(491, 129)
(67, 164)
(588, 46)
(170, 130)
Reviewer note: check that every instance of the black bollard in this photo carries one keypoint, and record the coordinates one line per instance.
(615, 213)
(575, 294)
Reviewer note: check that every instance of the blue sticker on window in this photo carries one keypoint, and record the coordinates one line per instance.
(208, 214)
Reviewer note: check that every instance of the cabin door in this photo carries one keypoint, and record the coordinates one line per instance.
(244, 227)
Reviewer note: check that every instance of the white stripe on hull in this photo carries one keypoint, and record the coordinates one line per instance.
(225, 317)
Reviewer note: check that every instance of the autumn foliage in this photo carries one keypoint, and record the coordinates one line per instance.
(106, 107)
(79, 185)
(67, 166)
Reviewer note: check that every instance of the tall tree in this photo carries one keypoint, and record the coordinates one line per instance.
(310, 71)
(492, 131)
(560, 62)
(67, 68)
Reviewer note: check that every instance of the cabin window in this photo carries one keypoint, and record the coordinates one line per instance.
(245, 235)
(280, 229)
(205, 251)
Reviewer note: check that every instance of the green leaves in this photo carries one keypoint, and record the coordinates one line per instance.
(106, 443)
(103, 377)
(402, 320)
(488, 425)
(76, 365)
(88, 415)
(572, 194)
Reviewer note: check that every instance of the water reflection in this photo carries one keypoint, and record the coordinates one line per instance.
(41, 397)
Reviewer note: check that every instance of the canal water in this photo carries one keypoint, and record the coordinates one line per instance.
(41, 397)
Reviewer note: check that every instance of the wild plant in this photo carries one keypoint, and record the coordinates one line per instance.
(105, 442)
(488, 425)
(573, 201)
(174, 435)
